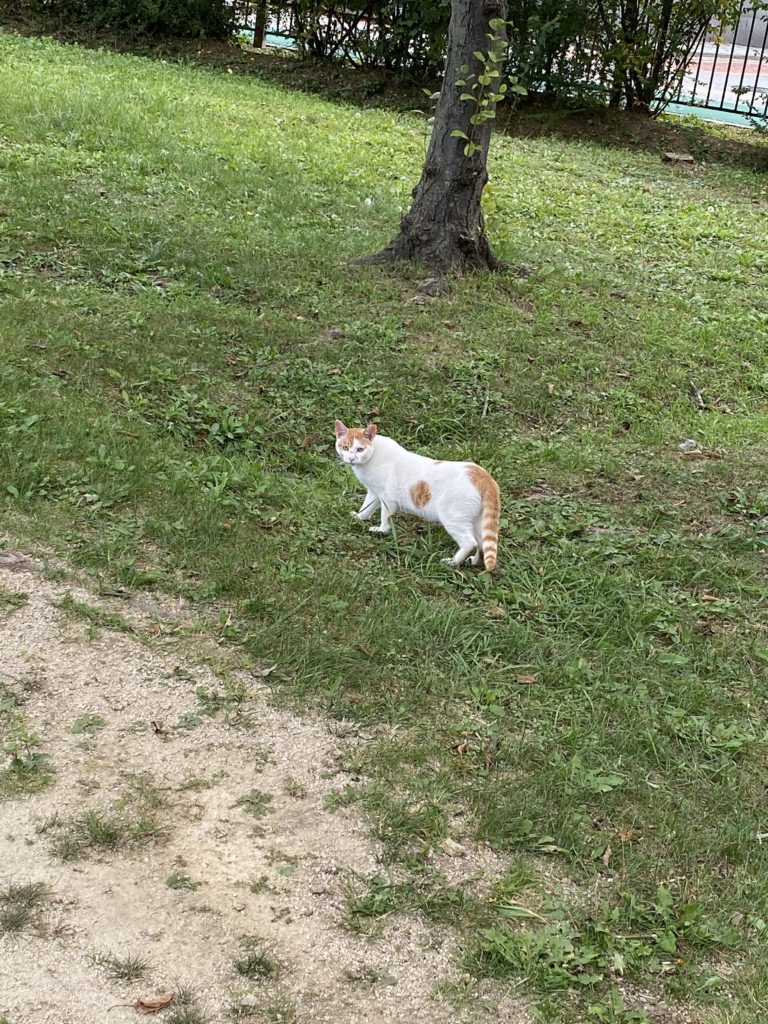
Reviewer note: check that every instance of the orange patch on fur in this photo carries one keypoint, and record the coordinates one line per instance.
(354, 434)
(421, 494)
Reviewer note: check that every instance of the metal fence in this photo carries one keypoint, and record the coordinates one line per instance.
(265, 24)
(728, 71)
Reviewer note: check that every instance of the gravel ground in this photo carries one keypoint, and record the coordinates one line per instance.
(279, 878)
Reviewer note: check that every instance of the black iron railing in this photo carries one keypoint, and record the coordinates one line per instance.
(728, 70)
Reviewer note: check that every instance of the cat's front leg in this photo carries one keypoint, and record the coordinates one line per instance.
(368, 508)
(387, 511)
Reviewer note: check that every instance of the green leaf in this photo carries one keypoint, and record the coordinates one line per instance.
(457, 133)
(520, 90)
(466, 96)
(496, 24)
(480, 56)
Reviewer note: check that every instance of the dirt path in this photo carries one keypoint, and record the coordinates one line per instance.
(270, 871)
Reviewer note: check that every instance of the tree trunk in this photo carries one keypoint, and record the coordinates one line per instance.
(444, 228)
(260, 28)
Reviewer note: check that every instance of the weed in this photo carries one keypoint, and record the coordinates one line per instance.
(131, 821)
(97, 618)
(20, 905)
(255, 803)
(276, 1009)
(87, 724)
(10, 600)
(260, 885)
(123, 968)
(24, 767)
(254, 962)
(179, 880)
(294, 788)
(375, 897)
(185, 1009)
(231, 700)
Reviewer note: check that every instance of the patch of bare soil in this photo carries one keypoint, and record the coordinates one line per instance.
(236, 852)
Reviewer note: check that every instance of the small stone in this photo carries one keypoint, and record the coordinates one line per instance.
(453, 849)
(679, 158)
(689, 445)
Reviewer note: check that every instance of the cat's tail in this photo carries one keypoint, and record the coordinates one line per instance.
(489, 526)
(491, 511)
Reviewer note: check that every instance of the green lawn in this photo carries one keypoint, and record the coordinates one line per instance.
(173, 257)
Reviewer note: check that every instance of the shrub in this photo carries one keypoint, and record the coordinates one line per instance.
(138, 17)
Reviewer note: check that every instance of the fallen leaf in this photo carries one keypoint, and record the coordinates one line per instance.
(709, 597)
(158, 728)
(155, 1004)
(264, 672)
(627, 835)
(527, 679)
(607, 854)
(550, 389)
(365, 650)
(461, 748)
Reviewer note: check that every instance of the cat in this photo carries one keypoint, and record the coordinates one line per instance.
(462, 497)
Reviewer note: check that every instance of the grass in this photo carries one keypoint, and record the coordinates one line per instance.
(132, 820)
(255, 963)
(21, 904)
(255, 803)
(126, 968)
(24, 767)
(181, 880)
(185, 1009)
(181, 330)
(97, 618)
(11, 601)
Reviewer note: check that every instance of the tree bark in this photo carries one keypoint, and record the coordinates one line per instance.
(444, 229)
(260, 27)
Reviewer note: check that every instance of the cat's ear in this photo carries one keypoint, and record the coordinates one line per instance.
(370, 431)
(341, 430)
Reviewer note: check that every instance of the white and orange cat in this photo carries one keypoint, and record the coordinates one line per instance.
(460, 496)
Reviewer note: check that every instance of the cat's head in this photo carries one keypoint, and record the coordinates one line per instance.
(354, 446)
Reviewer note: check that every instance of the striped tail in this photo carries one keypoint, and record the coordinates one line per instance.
(491, 508)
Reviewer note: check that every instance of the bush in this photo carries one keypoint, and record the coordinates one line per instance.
(404, 35)
(138, 17)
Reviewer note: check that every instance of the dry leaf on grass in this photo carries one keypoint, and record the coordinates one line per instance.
(527, 679)
(154, 1004)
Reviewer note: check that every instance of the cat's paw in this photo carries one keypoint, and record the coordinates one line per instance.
(378, 529)
(356, 515)
(447, 561)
